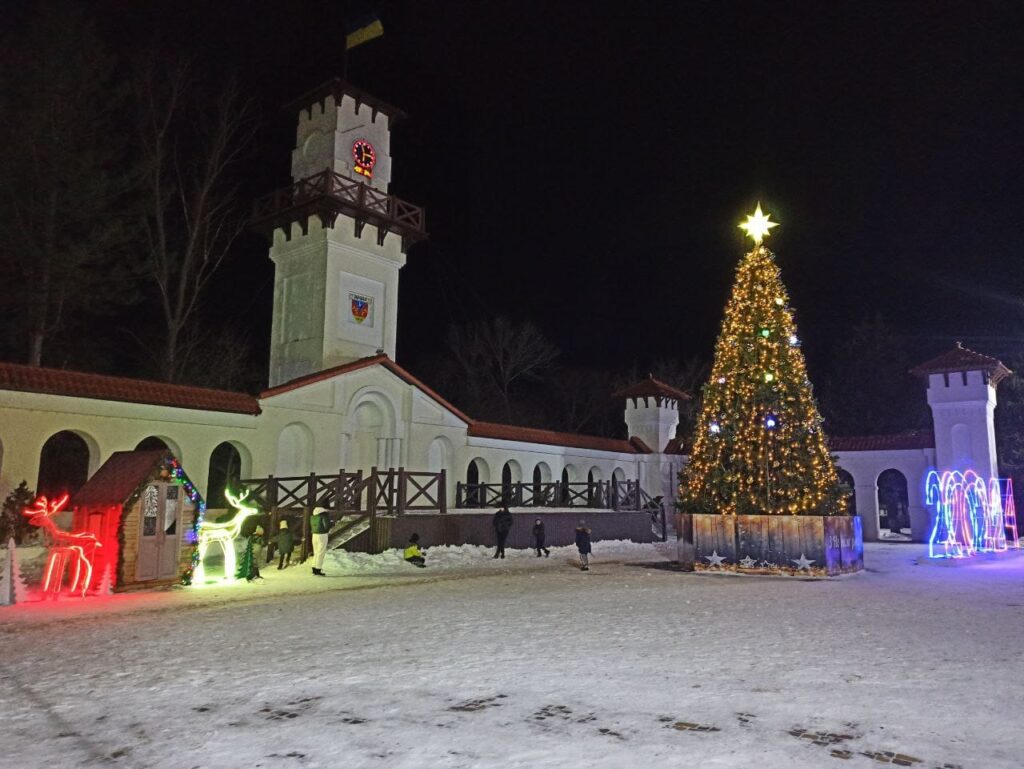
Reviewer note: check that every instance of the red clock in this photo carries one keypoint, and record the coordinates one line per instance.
(364, 156)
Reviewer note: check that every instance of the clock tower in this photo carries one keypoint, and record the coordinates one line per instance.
(338, 238)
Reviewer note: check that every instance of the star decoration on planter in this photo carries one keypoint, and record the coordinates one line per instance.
(802, 563)
(715, 559)
(748, 563)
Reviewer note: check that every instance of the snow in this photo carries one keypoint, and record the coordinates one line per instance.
(525, 662)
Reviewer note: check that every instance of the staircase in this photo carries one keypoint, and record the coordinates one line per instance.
(347, 528)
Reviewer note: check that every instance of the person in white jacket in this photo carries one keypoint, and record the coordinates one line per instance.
(319, 524)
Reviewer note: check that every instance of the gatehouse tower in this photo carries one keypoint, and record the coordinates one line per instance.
(962, 396)
(338, 238)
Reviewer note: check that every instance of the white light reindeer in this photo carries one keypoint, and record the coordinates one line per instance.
(224, 535)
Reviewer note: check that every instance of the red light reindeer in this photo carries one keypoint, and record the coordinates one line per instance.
(70, 551)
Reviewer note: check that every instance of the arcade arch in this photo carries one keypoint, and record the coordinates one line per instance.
(229, 463)
(893, 502)
(847, 478)
(65, 462)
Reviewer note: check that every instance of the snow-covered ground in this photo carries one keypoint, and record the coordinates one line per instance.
(526, 662)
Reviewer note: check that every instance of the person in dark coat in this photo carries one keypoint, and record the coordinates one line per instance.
(413, 554)
(285, 545)
(583, 545)
(538, 538)
(502, 526)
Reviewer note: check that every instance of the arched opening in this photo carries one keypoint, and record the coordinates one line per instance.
(846, 479)
(152, 443)
(477, 474)
(541, 484)
(294, 451)
(225, 472)
(893, 504)
(161, 443)
(507, 491)
(63, 464)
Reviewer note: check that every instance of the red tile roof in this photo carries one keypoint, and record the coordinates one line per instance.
(962, 359)
(553, 438)
(677, 446)
(652, 388)
(76, 384)
(917, 439)
(373, 360)
(120, 476)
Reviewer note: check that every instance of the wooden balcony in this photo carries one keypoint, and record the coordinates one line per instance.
(328, 194)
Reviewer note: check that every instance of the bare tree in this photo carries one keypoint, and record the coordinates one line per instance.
(61, 223)
(190, 139)
(497, 355)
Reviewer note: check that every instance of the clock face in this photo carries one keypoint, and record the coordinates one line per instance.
(364, 157)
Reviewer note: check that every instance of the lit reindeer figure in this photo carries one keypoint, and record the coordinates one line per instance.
(224, 535)
(72, 552)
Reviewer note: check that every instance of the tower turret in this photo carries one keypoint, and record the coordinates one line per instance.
(962, 395)
(652, 411)
(338, 239)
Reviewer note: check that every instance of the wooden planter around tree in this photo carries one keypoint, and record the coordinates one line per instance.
(818, 545)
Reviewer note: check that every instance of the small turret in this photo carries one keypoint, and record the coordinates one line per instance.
(962, 395)
(652, 411)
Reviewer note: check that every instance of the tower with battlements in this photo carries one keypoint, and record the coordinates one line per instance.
(338, 237)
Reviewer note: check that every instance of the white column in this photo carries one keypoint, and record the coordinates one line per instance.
(382, 453)
(867, 509)
(920, 520)
(395, 452)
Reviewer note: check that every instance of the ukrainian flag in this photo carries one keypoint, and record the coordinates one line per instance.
(363, 30)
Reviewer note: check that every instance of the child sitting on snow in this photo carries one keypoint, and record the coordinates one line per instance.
(413, 554)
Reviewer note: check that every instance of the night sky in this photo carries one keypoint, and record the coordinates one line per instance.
(584, 165)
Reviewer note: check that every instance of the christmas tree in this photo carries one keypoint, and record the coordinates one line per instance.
(759, 447)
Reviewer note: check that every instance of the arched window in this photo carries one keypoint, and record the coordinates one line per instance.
(474, 494)
(893, 501)
(847, 479)
(63, 464)
(507, 496)
(225, 471)
(152, 443)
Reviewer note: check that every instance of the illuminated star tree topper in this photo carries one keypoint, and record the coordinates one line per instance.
(758, 225)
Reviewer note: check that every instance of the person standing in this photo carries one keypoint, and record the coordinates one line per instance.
(285, 545)
(319, 525)
(502, 526)
(538, 538)
(583, 545)
(413, 554)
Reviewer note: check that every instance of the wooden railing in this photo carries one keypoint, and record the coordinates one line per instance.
(391, 491)
(328, 194)
(614, 495)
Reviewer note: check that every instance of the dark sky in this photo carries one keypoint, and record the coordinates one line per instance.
(584, 165)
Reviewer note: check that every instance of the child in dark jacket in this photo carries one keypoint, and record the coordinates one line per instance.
(538, 538)
(583, 545)
(285, 545)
